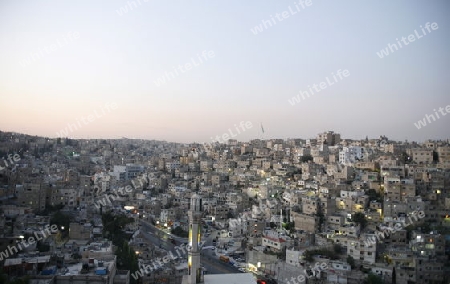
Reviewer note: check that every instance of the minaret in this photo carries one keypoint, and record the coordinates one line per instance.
(195, 274)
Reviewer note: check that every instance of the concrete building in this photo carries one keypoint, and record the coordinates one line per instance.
(195, 271)
(305, 222)
(330, 138)
(362, 250)
(31, 195)
(444, 156)
(79, 231)
(421, 156)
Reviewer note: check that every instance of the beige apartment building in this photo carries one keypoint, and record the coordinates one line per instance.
(329, 138)
(79, 231)
(399, 189)
(421, 156)
(31, 195)
(362, 250)
(310, 205)
(305, 222)
(444, 156)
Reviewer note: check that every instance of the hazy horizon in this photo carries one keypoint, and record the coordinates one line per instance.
(243, 141)
(188, 71)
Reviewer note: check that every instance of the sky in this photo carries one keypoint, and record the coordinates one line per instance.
(188, 71)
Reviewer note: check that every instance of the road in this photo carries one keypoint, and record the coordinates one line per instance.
(208, 258)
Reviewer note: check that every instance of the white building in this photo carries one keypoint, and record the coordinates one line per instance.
(293, 257)
(350, 155)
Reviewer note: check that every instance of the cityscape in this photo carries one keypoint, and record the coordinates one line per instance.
(224, 142)
(319, 210)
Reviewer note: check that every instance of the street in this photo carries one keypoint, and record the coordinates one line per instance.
(208, 259)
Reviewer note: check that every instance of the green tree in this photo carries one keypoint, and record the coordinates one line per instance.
(321, 218)
(406, 159)
(290, 226)
(351, 261)
(373, 279)
(113, 226)
(435, 157)
(178, 231)
(127, 259)
(61, 220)
(306, 158)
(337, 248)
(374, 195)
(360, 218)
(309, 254)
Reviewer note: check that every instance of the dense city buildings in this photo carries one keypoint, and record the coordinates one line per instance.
(323, 210)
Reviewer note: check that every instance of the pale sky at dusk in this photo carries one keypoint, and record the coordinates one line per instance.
(64, 60)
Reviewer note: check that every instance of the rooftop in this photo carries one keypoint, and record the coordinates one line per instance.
(231, 278)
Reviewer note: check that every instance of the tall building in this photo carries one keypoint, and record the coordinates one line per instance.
(329, 138)
(195, 272)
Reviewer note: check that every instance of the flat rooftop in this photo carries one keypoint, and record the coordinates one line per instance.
(231, 278)
(76, 268)
(235, 278)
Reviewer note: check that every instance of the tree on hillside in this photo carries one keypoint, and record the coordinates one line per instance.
(306, 158)
(127, 259)
(360, 218)
(351, 261)
(373, 279)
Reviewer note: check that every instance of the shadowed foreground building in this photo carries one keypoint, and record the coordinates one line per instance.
(195, 272)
